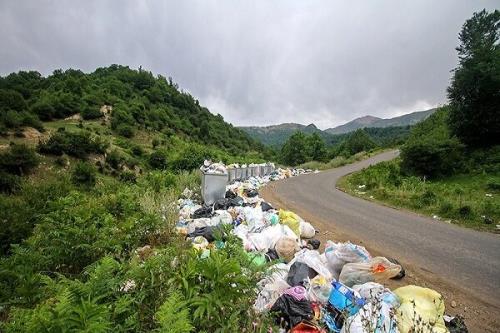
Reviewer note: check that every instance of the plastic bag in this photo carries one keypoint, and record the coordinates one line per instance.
(378, 269)
(269, 237)
(221, 216)
(286, 248)
(290, 219)
(313, 259)
(198, 223)
(377, 292)
(300, 274)
(342, 302)
(306, 230)
(205, 211)
(372, 318)
(319, 289)
(291, 310)
(307, 327)
(340, 254)
(271, 288)
(419, 307)
(271, 218)
(200, 242)
(254, 218)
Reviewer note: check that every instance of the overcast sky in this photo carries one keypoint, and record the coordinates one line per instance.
(255, 62)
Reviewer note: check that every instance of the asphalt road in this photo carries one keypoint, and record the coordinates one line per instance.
(464, 257)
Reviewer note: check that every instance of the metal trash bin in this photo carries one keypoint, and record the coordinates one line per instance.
(253, 171)
(232, 174)
(262, 170)
(239, 173)
(268, 169)
(213, 187)
(244, 173)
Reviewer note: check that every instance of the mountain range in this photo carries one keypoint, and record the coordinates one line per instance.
(276, 135)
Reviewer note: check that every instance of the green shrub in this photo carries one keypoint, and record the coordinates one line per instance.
(84, 174)
(158, 160)
(90, 113)
(432, 158)
(114, 159)
(465, 211)
(9, 183)
(18, 159)
(155, 143)
(79, 144)
(128, 176)
(137, 150)
(125, 130)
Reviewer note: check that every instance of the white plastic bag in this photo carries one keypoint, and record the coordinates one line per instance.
(306, 230)
(198, 223)
(254, 218)
(372, 317)
(319, 289)
(271, 288)
(312, 258)
(377, 269)
(339, 254)
(221, 216)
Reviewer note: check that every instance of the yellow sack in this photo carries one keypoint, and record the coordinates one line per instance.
(290, 219)
(429, 306)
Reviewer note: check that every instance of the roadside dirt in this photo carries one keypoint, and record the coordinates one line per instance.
(479, 315)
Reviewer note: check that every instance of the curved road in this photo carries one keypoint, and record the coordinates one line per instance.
(464, 257)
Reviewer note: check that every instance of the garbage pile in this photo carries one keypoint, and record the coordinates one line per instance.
(338, 290)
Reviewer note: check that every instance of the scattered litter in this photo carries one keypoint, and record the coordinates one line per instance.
(337, 290)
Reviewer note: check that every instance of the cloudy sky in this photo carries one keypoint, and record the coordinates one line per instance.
(256, 62)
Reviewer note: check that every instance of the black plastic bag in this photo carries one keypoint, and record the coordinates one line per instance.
(314, 243)
(205, 211)
(456, 325)
(265, 206)
(290, 311)
(222, 204)
(402, 272)
(251, 193)
(209, 232)
(230, 194)
(237, 201)
(299, 272)
(272, 254)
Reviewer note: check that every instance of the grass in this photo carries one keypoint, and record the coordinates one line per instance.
(469, 200)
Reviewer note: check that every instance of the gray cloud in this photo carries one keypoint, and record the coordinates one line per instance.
(255, 62)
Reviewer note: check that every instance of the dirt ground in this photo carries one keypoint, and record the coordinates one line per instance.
(479, 315)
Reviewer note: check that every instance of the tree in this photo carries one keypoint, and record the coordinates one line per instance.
(317, 147)
(84, 174)
(19, 159)
(294, 151)
(474, 92)
(357, 142)
(158, 160)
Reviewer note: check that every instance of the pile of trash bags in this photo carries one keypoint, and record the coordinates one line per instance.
(340, 289)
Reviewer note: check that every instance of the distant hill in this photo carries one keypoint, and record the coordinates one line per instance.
(370, 121)
(276, 135)
(381, 130)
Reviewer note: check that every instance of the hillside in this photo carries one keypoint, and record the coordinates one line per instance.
(133, 100)
(370, 121)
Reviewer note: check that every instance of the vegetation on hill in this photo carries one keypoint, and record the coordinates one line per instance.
(450, 164)
(138, 100)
